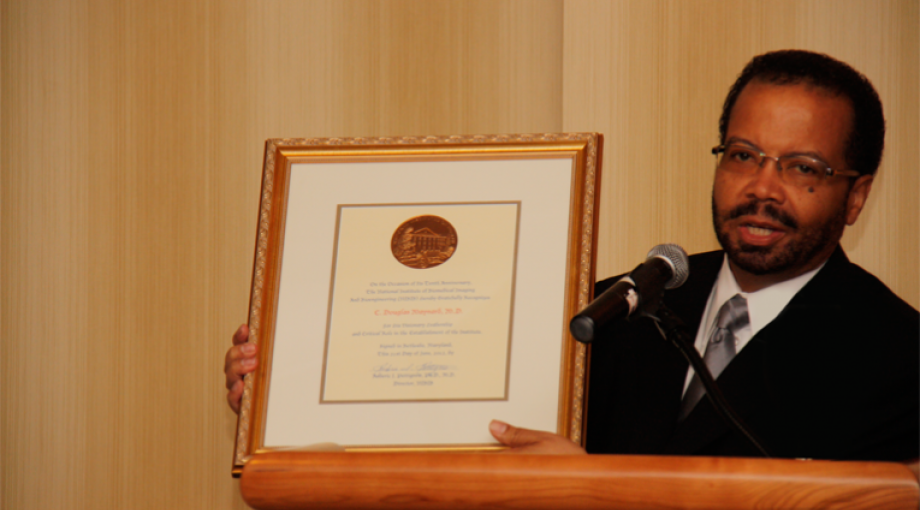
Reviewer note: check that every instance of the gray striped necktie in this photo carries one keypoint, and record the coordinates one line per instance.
(720, 350)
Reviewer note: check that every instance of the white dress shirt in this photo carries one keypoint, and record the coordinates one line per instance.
(763, 306)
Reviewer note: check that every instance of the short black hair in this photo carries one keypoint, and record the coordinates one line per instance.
(790, 67)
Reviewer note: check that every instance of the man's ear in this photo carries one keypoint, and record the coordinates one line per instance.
(859, 192)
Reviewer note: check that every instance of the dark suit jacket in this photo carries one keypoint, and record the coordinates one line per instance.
(834, 376)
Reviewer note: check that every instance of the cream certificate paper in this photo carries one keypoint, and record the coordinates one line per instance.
(421, 303)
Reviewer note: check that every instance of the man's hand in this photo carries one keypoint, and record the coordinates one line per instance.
(240, 360)
(532, 441)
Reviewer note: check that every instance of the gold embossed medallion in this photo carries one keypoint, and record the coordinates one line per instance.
(424, 241)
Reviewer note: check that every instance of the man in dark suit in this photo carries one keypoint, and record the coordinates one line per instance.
(824, 358)
(818, 357)
(834, 376)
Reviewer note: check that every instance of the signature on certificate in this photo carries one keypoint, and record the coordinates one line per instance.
(412, 367)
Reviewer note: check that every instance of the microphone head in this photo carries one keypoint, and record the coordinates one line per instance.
(677, 258)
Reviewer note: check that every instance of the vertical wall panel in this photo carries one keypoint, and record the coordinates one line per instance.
(132, 138)
(404, 67)
(44, 251)
(652, 76)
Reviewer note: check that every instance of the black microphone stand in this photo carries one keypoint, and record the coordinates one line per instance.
(672, 328)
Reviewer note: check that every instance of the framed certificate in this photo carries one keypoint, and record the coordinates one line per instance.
(406, 291)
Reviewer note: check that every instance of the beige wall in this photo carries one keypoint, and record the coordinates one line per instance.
(652, 76)
(132, 134)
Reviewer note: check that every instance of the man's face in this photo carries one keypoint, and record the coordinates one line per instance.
(773, 231)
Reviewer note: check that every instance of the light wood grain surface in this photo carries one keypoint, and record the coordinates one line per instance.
(306, 480)
(132, 136)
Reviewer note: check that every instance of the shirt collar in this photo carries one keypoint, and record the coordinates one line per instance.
(765, 304)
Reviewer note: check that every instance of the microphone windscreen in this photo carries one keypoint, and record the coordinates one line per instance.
(677, 258)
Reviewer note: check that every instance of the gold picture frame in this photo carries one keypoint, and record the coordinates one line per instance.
(534, 194)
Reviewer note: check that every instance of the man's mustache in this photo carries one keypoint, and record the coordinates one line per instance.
(761, 208)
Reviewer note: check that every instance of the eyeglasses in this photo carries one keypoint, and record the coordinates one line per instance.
(794, 169)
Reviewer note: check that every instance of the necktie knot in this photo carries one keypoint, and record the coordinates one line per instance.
(734, 314)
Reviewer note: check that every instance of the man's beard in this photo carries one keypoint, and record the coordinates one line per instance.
(763, 260)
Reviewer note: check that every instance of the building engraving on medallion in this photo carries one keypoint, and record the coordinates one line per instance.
(423, 242)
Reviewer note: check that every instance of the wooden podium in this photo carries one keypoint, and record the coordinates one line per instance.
(295, 480)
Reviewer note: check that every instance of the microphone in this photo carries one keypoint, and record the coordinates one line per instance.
(666, 267)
